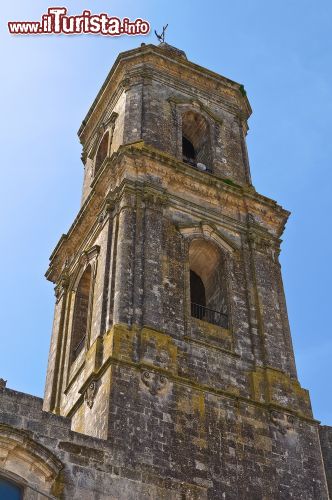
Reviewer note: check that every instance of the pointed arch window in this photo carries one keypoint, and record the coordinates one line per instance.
(81, 313)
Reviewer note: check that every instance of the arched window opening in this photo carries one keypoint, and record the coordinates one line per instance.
(188, 152)
(196, 146)
(81, 314)
(197, 295)
(208, 290)
(10, 490)
(102, 152)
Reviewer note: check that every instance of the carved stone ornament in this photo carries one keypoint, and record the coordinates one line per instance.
(282, 423)
(2, 384)
(90, 393)
(84, 156)
(109, 206)
(155, 199)
(263, 245)
(155, 382)
(195, 104)
(88, 255)
(61, 286)
(90, 150)
(251, 218)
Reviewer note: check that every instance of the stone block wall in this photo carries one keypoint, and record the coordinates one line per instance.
(325, 434)
(170, 442)
(39, 452)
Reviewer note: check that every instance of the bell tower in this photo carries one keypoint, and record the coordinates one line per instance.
(170, 337)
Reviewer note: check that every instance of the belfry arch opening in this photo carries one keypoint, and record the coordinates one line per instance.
(81, 314)
(102, 152)
(208, 286)
(196, 143)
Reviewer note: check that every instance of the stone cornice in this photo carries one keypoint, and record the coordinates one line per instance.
(211, 232)
(128, 167)
(203, 78)
(22, 440)
(196, 103)
(119, 353)
(147, 73)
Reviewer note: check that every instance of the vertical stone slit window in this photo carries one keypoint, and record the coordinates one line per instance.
(208, 290)
(196, 143)
(81, 314)
(102, 151)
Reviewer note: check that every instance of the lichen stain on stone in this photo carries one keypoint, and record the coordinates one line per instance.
(191, 415)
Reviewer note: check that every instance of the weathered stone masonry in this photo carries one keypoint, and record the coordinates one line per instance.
(159, 401)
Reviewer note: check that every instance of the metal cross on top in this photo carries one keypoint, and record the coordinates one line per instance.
(161, 37)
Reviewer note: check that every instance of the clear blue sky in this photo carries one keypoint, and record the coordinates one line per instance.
(281, 52)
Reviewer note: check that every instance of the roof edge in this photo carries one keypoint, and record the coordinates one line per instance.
(148, 48)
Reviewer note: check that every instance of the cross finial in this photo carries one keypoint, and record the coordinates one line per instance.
(161, 37)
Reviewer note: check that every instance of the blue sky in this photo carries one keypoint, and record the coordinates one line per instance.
(281, 52)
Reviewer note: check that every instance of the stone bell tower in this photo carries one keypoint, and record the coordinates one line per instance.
(171, 338)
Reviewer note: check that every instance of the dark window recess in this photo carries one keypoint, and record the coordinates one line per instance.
(197, 290)
(196, 145)
(208, 292)
(101, 152)
(81, 309)
(188, 152)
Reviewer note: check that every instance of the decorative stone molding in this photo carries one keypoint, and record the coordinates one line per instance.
(33, 464)
(251, 219)
(125, 84)
(91, 253)
(155, 199)
(158, 349)
(142, 75)
(209, 232)
(87, 257)
(61, 287)
(90, 393)
(275, 387)
(263, 244)
(63, 281)
(84, 156)
(283, 423)
(155, 382)
(109, 125)
(108, 207)
(195, 104)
